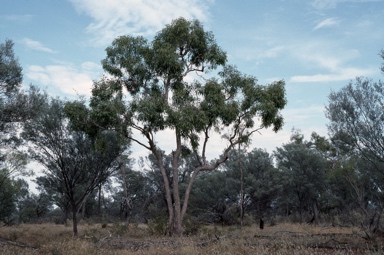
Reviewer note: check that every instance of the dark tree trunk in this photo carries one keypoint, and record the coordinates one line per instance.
(261, 224)
(65, 216)
(241, 189)
(315, 213)
(74, 219)
(99, 202)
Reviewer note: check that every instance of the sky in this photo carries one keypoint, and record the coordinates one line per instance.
(315, 46)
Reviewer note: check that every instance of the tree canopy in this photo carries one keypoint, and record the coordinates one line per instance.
(75, 163)
(10, 69)
(357, 118)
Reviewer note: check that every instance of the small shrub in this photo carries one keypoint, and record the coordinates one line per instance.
(57, 220)
(210, 232)
(248, 220)
(14, 235)
(119, 229)
(55, 251)
(191, 227)
(157, 226)
(92, 232)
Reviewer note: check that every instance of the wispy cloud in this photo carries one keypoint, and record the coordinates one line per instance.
(342, 75)
(330, 22)
(273, 52)
(36, 45)
(332, 63)
(119, 17)
(17, 18)
(251, 53)
(66, 78)
(329, 4)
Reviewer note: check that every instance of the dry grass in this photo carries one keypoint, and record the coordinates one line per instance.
(116, 239)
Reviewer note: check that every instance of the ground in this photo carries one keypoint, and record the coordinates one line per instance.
(119, 238)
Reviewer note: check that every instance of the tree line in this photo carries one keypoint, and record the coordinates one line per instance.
(89, 172)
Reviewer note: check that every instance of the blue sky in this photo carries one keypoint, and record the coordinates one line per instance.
(316, 46)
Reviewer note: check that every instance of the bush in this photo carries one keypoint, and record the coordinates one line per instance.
(191, 226)
(157, 226)
(119, 229)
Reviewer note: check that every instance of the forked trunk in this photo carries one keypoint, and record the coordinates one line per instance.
(167, 188)
(178, 231)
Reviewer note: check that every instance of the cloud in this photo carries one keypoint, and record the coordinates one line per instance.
(302, 115)
(251, 53)
(330, 22)
(329, 4)
(341, 75)
(66, 78)
(305, 119)
(35, 45)
(17, 18)
(333, 63)
(272, 53)
(120, 17)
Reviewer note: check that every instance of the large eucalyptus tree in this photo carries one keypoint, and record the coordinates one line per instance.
(166, 90)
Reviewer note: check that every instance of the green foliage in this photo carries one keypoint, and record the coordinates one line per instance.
(75, 163)
(157, 226)
(16, 107)
(10, 69)
(151, 71)
(12, 191)
(261, 180)
(303, 170)
(191, 226)
(357, 118)
(57, 220)
(357, 132)
(212, 197)
(34, 207)
(119, 228)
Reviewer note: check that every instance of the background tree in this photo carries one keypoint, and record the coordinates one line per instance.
(16, 107)
(357, 118)
(304, 173)
(261, 181)
(14, 165)
(10, 69)
(34, 207)
(53, 187)
(134, 195)
(214, 198)
(74, 163)
(160, 98)
(357, 129)
(12, 192)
